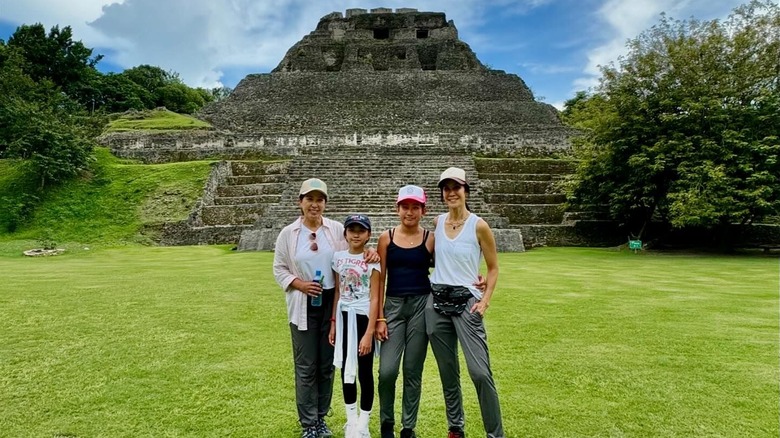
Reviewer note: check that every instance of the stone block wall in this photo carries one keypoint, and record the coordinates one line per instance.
(426, 102)
(167, 147)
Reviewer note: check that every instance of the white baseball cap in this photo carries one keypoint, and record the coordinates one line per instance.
(313, 184)
(411, 192)
(454, 173)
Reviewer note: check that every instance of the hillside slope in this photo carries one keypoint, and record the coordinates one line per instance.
(118, 202)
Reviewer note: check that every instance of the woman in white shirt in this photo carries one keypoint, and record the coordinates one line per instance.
(304, 249)
(456, 307)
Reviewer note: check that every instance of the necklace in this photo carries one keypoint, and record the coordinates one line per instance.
(412, 238)
(456, 224)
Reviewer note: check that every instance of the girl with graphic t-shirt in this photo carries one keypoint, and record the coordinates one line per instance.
(353, 321)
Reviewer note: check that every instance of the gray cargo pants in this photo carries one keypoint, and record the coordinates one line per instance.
(313, 357)
(407, 337)
(444, 333)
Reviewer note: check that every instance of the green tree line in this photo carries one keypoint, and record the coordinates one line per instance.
(53, 100)
(684, 130)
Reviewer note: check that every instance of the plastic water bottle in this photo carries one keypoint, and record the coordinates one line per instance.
(317, 301)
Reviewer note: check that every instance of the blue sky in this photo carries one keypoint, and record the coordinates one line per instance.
(556, 46)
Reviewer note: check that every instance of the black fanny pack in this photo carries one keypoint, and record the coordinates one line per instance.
(450, 300)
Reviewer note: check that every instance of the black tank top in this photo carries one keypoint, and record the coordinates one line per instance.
(407, 269)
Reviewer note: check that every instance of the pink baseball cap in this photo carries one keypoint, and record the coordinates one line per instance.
(413, 193)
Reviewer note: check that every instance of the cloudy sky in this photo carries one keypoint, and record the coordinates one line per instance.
(556, 46)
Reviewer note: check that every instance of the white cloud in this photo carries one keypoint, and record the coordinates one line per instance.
(200, 38)
(626, 19)
(558, 104)
(75, 13)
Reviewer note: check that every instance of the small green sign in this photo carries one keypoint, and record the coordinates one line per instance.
(634, 244)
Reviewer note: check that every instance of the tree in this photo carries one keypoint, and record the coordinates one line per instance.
(150, 77)
(117, 93)
(180, 98)
(685, 130)
(167, 89)
(55, 57)
(41, 124)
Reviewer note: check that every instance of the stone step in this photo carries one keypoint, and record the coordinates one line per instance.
(485, 176)
(490, 186)
(372, 150)
(232, 214)
(531, 213)
(251, 189)
(257, 179)
(248, 168)
(243, 200)
(203, 235)
(525, 165)
(524, 198)
(574, 216)
(423, 162)
(598, 233)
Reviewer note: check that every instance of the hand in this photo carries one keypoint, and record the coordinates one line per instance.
(371, 255)
(480, 307)
(380, 332)
(332, 334)
(481, 283)
(365, 345)
(312, 288)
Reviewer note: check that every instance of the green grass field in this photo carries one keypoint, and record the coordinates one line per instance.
(193, 342)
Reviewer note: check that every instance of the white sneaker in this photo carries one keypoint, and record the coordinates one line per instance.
(351, 430)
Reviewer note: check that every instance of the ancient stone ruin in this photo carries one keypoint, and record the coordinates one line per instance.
(370, 101)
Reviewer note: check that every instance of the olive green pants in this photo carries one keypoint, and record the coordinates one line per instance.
(407, 339)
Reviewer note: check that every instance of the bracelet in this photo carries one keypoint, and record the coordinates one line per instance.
(381, 320)
(333, 320)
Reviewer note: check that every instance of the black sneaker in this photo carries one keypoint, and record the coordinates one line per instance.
(386, 431)
(309, 432)
(408, 433)
(323, 431)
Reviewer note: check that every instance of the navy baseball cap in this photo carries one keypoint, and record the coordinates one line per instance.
(359, 219)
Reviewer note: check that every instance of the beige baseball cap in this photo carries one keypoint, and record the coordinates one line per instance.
(454, 173)
(313, 184)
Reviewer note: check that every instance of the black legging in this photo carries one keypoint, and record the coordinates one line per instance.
(365, 368)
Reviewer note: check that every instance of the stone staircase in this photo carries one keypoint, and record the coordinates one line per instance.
(251, 201)
(527, 191)
(363, 181)
(237, 194)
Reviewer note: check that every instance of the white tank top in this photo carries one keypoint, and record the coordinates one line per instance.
(457, 260)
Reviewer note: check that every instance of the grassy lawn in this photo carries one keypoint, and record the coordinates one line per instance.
(193, 342)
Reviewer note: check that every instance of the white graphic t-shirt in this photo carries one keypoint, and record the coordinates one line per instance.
(354, 276)
(354, 280)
